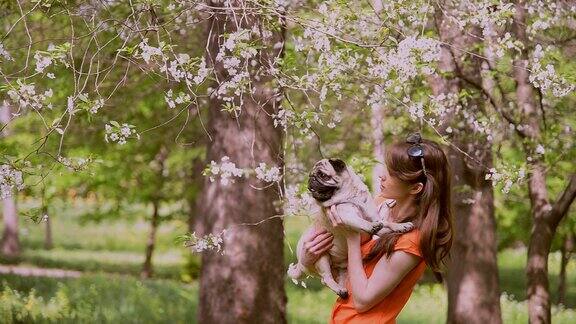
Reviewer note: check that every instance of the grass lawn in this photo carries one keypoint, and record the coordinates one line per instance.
(122, 299)
(168, 264)
(118, 247)
(96, 299)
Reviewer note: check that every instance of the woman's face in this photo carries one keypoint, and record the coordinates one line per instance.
(393, 188)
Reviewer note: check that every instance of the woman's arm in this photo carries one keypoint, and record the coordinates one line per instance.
(367, 292)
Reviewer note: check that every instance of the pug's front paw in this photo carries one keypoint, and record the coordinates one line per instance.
(403, 227)
(376, 227)
(395, 228)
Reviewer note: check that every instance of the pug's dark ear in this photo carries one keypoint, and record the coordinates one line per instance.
(337, 164)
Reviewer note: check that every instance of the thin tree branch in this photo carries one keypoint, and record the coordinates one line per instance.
(562, 205)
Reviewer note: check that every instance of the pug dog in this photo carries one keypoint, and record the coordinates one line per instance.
(332, 182)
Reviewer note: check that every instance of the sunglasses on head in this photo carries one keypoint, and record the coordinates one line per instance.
(416, 150)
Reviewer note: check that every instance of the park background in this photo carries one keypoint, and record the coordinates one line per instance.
(154, 153)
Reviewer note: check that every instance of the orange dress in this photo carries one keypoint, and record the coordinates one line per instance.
(387, 310)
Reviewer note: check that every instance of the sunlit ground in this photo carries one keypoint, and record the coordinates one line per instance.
(110, 253)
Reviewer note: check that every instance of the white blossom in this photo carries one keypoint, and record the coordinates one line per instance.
(203, 72)
(42, 62)
(70, 105)
(416, 110)
(75, 163)
(10, 179)
(296, 203)
(4, 53)
(149, 52)
(114, 132)
(545, 77)
(99, 103)
(225, 170)
(283, 118)
(180, 99)
(25, 96)
(206, 242)
(268, 174)
(169, 100)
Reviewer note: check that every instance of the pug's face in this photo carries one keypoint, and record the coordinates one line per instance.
(326, 178)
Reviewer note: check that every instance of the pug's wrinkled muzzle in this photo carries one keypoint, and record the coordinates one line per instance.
(319, 191)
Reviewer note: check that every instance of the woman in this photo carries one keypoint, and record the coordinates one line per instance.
(383, 272)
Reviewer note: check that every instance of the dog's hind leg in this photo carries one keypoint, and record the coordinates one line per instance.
(342, 276)
(295, 270)
(325, 272)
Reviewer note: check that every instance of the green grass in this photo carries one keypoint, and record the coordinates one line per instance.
(126, 234)
(168, 264)
(118, 247)
(511, 264)
(96, 299)
(113, 245)
(116, 299)
(428, 304)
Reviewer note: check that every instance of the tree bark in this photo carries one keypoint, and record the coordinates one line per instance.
(473, 288)
(246, 283)
(545, 223)
(545, 218)
(566, 249)
(541, 234)
(10, 241)
(147, 270)
(193, 199)
(376, 121)
(10, 245)
(472, 276)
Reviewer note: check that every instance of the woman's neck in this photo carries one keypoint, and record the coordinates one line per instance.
(402, 209)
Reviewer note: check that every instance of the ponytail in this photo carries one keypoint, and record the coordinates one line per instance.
(433, 217)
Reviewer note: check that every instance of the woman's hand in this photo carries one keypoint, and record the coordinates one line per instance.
(337, 221)
(316, 243)
(351, 235)
(335, 218)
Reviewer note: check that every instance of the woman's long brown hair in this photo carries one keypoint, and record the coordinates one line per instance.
(433, 216)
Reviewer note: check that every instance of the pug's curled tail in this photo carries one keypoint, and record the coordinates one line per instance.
(295, 271)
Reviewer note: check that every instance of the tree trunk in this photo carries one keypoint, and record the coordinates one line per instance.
(567, 249)
(472, 277)
(545, 218)
(10, 245)
(147, 269)
(541, 234)
(246, 283)
(537, 267)
(196, 179)
(376, 121)
(10, 241)
(473, 288)
(48, 242)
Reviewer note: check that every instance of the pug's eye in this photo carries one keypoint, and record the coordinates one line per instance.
(323, 175)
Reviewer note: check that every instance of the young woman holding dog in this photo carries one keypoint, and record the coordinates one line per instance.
(383, 272)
